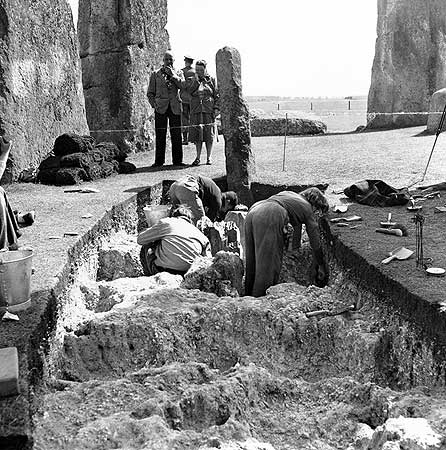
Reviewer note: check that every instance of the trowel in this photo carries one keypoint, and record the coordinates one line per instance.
(400, 254)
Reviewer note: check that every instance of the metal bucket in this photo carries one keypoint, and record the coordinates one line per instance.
(15, 279)
(154, 213)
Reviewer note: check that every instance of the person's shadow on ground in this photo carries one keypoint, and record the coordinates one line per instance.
(165, 168)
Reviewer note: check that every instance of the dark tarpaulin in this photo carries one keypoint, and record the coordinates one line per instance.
(377, 193)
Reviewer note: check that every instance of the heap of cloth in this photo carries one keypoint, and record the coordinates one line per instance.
(76, 158)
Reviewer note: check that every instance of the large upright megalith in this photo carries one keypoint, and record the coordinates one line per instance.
(410, 61)
(40, 79)
(235, 124)
(121, 42)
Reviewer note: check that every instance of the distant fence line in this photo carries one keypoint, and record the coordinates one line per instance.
(370, 116)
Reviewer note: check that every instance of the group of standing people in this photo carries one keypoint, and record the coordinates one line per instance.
(187, 101)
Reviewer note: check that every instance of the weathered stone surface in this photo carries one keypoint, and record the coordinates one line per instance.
(437, 105)
(223, 236)
(119, 258)
(40, 79)
(238, 218)
(9, 371)
(125, 291)
(221, 275)
(190, 325)
(410, 64)
(235, 124)
(280, 126)
(121, 43)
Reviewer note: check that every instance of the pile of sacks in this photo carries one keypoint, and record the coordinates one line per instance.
(79, 158)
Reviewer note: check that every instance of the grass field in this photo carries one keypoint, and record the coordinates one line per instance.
(397, 156)
(338, 114)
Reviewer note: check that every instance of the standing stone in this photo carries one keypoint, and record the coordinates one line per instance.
(238, 217)
(437, 106)
(40, 79)
(235, 124)
(409, 63)
(121, 42)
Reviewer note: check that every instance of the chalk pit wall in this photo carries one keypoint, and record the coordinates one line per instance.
(144, 363)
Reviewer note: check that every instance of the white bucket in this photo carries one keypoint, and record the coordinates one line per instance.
(15, 279)
(154, 213)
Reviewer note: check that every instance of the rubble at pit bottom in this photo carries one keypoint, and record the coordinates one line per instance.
(190, 406)
(169, 368)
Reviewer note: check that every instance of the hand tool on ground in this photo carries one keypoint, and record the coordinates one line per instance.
(330, 313)
(82, 190)
(397, 230)
(394, 232)
(346, 219)
(389, 223)
(71, 233)
(421, 197)
(400, 254)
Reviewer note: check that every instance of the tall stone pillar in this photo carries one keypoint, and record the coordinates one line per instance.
(410, 62)
(437, 105)
(40, 80)
(121, 42)
(235, 124)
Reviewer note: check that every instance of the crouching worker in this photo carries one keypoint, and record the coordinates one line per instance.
(172, 244)
(265, 228)
(203, 197)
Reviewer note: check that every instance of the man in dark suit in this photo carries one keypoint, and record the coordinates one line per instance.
(163, 95)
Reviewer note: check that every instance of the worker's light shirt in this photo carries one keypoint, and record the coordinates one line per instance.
(180, 243)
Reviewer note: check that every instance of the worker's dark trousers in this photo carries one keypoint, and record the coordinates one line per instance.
(185, 121)
(175, 136)
(264, 245)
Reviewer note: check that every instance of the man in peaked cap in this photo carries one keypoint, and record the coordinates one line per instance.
(189, 74)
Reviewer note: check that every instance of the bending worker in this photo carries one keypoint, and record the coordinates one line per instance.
(265, 228)
(172, 244)
(202, 196)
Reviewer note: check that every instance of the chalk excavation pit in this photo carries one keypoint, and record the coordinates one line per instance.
(147, 363)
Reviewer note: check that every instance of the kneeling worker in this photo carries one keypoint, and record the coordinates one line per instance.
(203, 197)
(172, 244)
(265, 228)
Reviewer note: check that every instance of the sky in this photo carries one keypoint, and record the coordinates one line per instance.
(296, 48)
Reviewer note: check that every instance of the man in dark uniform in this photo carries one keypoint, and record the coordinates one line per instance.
(163, 95)
(189, 75)
(203, 197)
(265, 228)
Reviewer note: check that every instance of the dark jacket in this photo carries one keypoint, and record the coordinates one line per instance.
(204, 96)
(189, 76)
(210, 195)
(163, 92)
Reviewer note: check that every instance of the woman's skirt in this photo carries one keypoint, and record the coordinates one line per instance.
(201, 128)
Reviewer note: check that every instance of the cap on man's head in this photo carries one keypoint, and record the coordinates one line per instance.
(189, 58)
